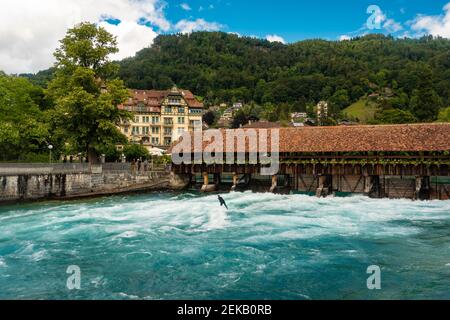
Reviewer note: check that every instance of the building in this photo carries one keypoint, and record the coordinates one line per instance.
(322, 111)
(238, 105)
(229, 113)
(161, 117)
(298, 116)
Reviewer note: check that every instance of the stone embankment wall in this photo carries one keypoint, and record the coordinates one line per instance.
(21, 182)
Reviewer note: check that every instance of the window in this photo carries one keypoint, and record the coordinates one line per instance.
(174, 101)
(180, 120)
(125, 129)
(168, 121)
(181, 110)
(195, 111)
(145, 130)
(135, 130)
(167, 131)
(155, 141)
(155, 130)
(180, 131)
(167, 141)
(168, 109)
(136, 119)
(146, 119)
(155, 120)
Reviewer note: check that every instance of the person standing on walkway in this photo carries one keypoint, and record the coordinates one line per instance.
(139, 165)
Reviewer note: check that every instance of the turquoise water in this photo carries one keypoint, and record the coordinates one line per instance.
(184, 246)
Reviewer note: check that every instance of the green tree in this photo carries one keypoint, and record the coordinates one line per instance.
(135, 152)
(85, 89)
(394, 116)
(209, 118)
(339, 100)
(444, 115)
(240, 119)
(23, 129)
(425, 102)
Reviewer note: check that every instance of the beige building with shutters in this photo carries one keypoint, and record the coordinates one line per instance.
(161, 117)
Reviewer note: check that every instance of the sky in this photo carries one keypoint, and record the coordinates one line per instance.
(30, 29)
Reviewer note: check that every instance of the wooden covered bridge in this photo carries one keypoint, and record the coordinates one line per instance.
(394, 161)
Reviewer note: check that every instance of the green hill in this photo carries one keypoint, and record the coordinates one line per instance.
(362, 110)
(226, 68)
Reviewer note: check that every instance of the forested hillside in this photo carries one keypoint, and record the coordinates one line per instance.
(408, 75)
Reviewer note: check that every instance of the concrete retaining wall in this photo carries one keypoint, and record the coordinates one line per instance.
(29, 184)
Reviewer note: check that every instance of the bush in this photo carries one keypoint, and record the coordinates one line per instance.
(111, 153)
(135, 151)
(444, 115)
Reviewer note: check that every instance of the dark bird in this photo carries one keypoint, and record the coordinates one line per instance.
(222, 202)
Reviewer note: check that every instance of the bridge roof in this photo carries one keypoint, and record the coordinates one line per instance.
(387, 138)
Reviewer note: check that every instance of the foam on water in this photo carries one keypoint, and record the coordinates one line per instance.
(186, 246)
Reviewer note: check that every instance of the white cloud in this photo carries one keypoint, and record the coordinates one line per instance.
(185, 6)
(275, 38)
(130, 37)
(344, 37)
(189, 26)
(434, 25)
(379, 17)
(236, 34)
(392, 26)
(30, 30)
(379, 20)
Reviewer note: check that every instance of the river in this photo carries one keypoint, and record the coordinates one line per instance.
(185, 246)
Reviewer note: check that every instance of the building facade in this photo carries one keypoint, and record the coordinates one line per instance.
(161, 117)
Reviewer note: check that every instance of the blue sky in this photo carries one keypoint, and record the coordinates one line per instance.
(295, 20)
(27, 44)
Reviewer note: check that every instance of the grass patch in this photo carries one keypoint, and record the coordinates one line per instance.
(362, 110)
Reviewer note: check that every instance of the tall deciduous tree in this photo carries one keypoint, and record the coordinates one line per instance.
(23, 130)
(85, 89)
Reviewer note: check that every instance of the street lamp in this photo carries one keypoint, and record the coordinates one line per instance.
(50, 148)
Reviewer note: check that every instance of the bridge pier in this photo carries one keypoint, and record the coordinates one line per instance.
(206, 186)
(422, 191)
(235, 181)
(372, 187)
(325, 186)
(274, 183)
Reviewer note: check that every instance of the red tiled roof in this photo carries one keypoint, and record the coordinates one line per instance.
(387, 138)
(154, 98)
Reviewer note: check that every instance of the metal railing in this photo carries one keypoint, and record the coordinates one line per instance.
(42, 168)
(74, 168)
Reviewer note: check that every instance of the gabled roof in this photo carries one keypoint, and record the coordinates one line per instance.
(385, 138)
(154, 98)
